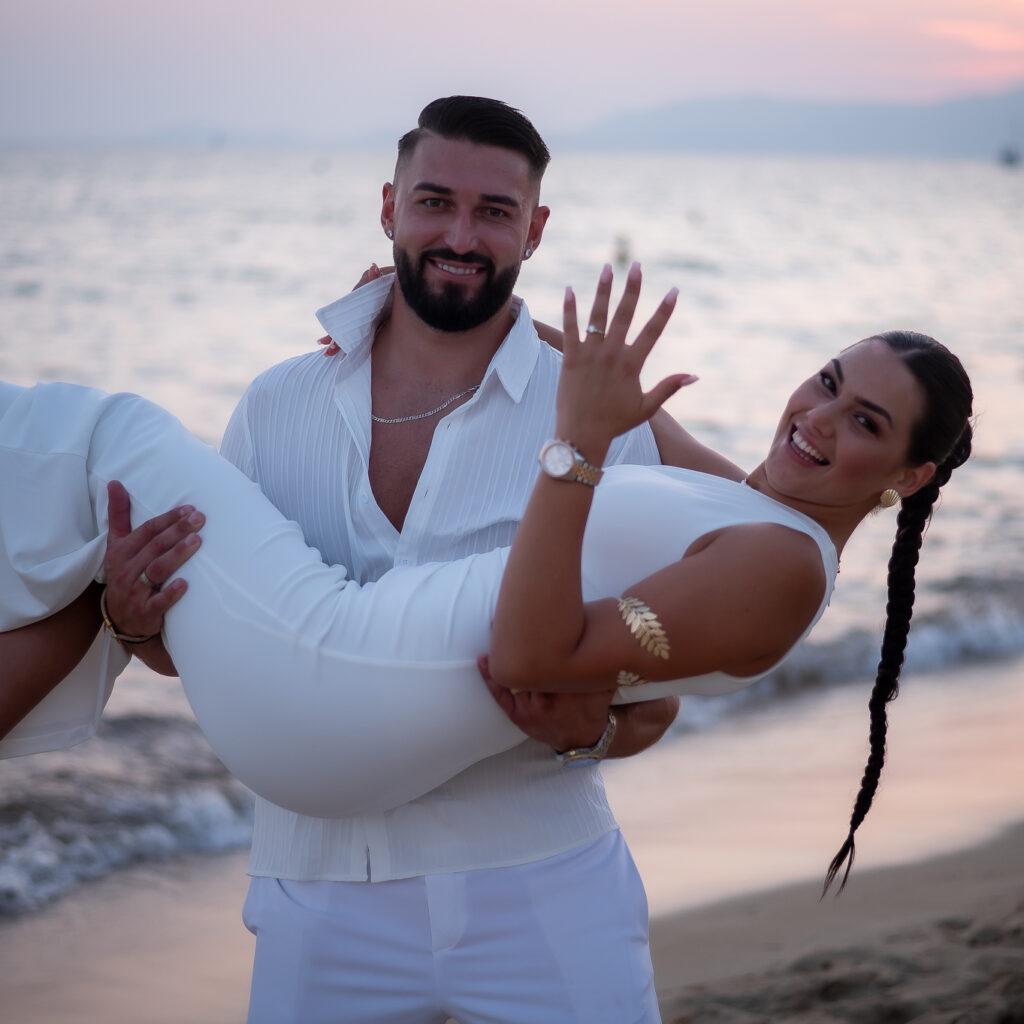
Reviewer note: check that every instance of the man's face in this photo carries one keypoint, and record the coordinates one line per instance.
(462, 216)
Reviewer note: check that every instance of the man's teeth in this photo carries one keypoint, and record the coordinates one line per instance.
(459, 270)
(808, 449)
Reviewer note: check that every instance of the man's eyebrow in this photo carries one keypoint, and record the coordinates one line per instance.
(497, 198)
(874, 407)
(429, 186)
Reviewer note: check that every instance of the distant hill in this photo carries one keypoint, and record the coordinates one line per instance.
(979, 126)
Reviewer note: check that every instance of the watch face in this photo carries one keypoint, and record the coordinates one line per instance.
(558, 459)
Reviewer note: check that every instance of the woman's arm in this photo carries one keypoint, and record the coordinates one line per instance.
(764, 578)
(37, 657)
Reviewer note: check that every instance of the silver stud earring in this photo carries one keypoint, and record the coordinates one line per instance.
(527, 253)
(889, 497)
(389, 233)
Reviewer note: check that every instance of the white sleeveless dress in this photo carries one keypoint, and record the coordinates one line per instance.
(304, 682)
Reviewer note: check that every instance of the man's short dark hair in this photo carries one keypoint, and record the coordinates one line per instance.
(480, 120)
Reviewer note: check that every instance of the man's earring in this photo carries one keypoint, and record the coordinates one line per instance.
(527, 253)
(389, 233)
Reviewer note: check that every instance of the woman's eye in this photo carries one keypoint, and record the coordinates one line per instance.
(827, 381)
(868, 423)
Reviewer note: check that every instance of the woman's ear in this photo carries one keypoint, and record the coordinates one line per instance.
(913, 478)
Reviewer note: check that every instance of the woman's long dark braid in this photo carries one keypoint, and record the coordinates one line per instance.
(914, 514)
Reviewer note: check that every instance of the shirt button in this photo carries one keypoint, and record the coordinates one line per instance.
(403, 561)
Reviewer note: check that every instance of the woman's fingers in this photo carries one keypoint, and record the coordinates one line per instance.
(618, 330)
(570, 327)
(599, 311)
(623, 317)
(654, 327)
(654, 399)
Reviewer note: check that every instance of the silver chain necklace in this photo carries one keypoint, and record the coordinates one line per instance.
(423, 415)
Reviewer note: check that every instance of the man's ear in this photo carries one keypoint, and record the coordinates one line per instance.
(387, 209)
(536, 230)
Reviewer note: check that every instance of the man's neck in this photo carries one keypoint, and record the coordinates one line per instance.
(406, 348)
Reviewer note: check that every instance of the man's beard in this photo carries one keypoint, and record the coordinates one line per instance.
(450, 309)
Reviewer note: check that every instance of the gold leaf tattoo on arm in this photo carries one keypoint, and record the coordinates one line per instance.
(645, 626)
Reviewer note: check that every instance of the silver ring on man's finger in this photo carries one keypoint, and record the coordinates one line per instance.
(594, 329)
(146, 581)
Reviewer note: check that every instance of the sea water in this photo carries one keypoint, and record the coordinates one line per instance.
(182, 274)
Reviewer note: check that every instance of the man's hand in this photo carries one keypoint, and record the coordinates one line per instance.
(561, 720)
(567, 720)
(138, 567)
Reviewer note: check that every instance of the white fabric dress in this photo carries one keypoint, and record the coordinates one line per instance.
(298, 676)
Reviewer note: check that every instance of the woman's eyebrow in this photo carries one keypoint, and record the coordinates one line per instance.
(873, 406)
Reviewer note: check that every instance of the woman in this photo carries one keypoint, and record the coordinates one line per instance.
(262, 607)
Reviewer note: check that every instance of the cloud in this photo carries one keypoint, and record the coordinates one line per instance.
(980, 35)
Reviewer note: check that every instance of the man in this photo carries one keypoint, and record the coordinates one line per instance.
(506, 894)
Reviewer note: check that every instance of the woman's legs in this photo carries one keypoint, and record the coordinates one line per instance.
(316, 693)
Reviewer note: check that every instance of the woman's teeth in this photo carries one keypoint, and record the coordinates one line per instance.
(800, 442)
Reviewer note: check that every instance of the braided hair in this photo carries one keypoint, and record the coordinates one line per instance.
(943, 436)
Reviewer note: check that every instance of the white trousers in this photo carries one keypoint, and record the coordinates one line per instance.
(557, 941)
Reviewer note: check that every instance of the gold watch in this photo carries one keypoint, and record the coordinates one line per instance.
(560, 460)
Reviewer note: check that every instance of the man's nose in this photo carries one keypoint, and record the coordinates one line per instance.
(461, 235)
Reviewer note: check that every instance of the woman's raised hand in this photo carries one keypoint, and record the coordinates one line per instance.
(599, 393)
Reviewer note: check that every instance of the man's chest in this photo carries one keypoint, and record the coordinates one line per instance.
(463, 489)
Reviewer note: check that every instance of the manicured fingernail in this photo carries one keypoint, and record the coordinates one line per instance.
(606, 273)
(568, 293)
(186, 509)
(673, 294)
(688, 378)
(196, 519)
(634, 268)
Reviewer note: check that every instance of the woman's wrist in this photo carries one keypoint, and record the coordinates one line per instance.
(590, 444)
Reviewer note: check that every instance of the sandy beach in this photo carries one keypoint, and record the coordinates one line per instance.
(935, 942)
(731, 830)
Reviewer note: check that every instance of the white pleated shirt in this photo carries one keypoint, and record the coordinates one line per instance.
(302, 432)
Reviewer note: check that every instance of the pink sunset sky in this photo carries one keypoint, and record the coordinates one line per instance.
(336, 69)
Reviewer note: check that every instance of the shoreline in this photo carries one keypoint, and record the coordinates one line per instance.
(898, 934)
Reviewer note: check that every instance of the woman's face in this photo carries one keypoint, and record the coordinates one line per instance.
(844, 435)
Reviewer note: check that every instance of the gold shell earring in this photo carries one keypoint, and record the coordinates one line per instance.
(889, 497)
